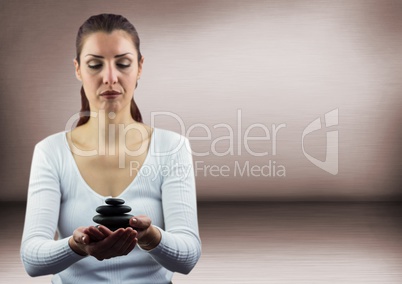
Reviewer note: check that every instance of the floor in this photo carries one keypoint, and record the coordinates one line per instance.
(269, 243)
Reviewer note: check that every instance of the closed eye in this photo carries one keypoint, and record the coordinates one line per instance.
(123, 65)
(95, 66)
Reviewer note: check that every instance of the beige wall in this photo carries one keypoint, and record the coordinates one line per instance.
(275, 62)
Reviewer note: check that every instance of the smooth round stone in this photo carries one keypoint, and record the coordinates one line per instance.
(113, 222)
(114, 201)
(109, 210)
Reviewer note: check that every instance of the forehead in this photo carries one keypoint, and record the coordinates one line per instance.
(108, 44)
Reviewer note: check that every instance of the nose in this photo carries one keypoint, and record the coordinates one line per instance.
(110, 76)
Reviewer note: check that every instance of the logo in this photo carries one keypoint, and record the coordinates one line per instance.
(330, 164)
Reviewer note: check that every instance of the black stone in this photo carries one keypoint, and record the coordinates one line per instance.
(108, 210)
(113, 222)
(114, 201)
(114, 214)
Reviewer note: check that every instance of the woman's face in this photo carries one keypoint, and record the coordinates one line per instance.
(109, 70)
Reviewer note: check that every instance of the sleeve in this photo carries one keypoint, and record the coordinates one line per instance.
(180, 246)
(40, 253)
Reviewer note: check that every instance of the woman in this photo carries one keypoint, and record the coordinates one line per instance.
(110, 153)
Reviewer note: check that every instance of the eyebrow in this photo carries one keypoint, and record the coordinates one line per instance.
(116, 56)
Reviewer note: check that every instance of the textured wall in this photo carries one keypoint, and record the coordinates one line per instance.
(223, 67)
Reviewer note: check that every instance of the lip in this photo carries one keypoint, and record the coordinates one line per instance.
(110, 94)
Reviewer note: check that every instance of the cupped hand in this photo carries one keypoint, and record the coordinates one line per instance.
(148, 235)
(103, 243)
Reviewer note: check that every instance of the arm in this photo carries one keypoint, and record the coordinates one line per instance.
(40, 253)
(180, 246)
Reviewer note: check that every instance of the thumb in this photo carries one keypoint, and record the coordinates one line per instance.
(140, 222)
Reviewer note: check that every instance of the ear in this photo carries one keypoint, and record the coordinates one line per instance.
(140, 67)
(77, 70)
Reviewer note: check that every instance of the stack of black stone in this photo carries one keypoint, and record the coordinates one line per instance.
(113, 215)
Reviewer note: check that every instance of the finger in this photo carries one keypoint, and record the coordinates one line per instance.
(110, 241)
(131, 246)
(105, 231)
(120, 245)
(121, 241)
(140, 222)
(104, 248)
(94, 234)
(128, 242)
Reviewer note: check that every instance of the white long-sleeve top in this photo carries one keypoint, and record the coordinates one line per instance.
(60, 199)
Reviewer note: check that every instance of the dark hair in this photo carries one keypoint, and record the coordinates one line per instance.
(105, 23)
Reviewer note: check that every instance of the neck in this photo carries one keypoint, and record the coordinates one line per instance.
(109, 128)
